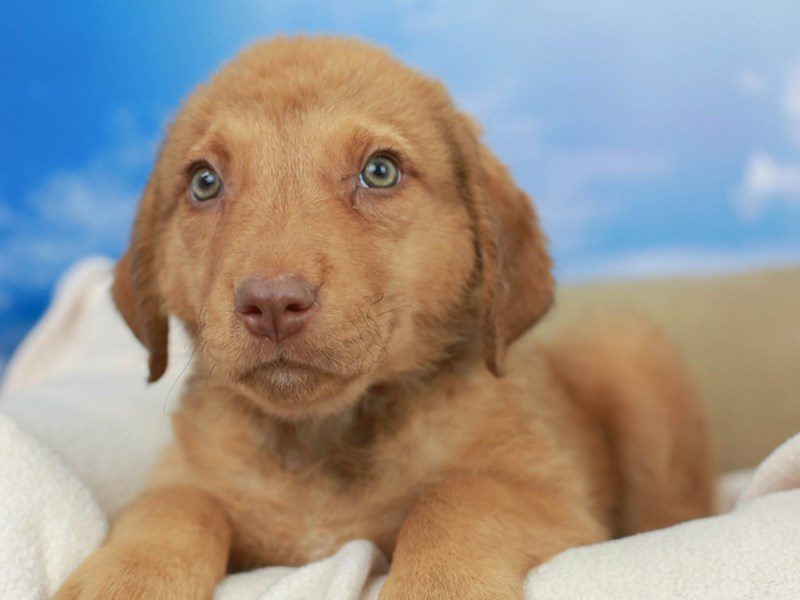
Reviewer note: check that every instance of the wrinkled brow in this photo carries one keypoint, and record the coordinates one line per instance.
(213, 144)
(367, 138)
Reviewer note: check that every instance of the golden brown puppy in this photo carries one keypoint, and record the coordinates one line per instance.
(349, 259)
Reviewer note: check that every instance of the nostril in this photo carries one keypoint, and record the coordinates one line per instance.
(251, 311)
(296, 307)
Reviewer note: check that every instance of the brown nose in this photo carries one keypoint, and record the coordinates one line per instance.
(277, 307)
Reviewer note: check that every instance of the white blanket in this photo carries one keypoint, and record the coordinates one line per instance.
(49, 521)
(77, 382)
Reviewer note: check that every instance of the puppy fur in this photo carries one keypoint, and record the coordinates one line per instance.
(415, 408)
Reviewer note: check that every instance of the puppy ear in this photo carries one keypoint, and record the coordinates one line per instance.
(135, 290)
(515, 266)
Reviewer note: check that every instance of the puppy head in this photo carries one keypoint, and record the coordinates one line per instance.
(322, 219)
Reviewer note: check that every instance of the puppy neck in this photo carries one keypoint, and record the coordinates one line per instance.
(338, 444)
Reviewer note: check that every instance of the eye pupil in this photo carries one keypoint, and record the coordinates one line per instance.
(378, 169)
(207, 179)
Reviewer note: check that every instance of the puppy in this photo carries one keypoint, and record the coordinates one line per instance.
(359, 275)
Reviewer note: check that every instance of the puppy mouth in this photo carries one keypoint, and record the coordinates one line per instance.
(345, 360)
(301, 375)
(290, 384)
(282, 365)
(307, 370)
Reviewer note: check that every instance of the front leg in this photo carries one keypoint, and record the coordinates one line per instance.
(172, 543)
(477, 537)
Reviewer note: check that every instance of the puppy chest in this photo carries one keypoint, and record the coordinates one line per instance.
(292, 524)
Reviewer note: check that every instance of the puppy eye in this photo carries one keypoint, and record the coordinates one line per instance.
(379, 172)
(206, 184)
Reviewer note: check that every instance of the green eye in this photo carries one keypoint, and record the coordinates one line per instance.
(379, 172)
(206, 184)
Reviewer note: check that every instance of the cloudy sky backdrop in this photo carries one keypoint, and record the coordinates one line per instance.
(656, 137)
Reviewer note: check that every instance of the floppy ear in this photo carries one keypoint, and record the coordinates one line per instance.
(515, 266)
(135, 290)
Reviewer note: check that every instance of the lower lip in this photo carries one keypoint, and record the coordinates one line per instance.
(282, 365)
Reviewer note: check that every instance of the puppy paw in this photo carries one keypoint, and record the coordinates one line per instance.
(451, 584)
(132, 572)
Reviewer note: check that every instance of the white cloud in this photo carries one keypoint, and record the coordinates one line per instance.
(95, 198)
(752, 82)
(768, 181)
(680, 261)
(791, 102)
(79, 211)
(573, 172)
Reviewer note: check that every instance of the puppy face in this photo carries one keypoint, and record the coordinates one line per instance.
(322, 220)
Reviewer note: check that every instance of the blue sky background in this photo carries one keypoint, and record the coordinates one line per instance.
(656, 137)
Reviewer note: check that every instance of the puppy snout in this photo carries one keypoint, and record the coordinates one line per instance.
(275, 308)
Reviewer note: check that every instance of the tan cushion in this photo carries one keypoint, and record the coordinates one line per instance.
(741, 336)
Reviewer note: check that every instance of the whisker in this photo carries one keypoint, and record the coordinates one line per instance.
(395, 309)
(174, 383)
